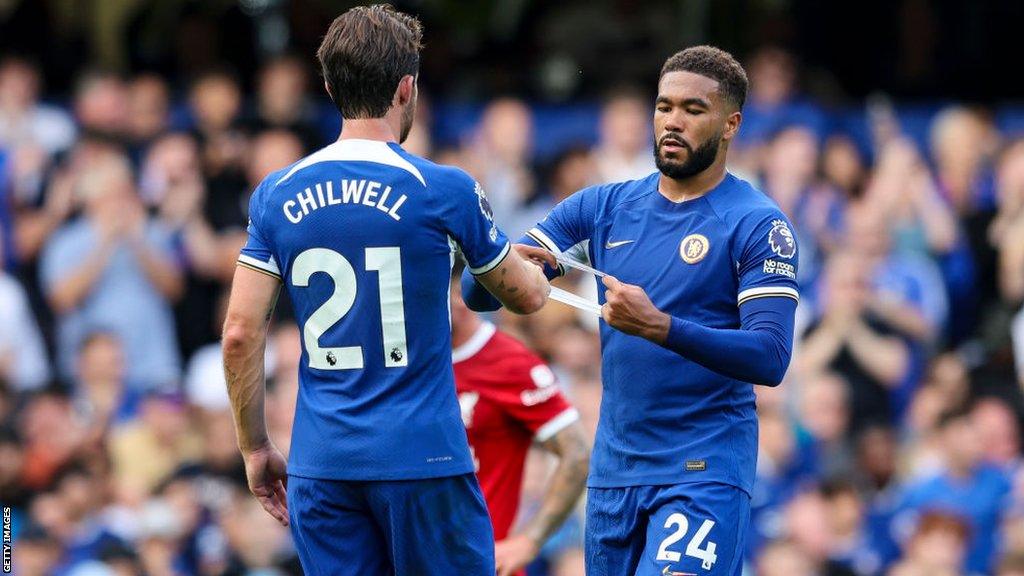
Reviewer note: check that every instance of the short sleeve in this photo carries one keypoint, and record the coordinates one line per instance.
(258, 253)
(471, 225)
(533, 399)
(767, 259)
(568, 223)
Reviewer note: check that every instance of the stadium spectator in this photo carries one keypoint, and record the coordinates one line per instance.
(215, 101)
(967, 487)
(146, 450)
(102, 399)
(23, 361)
(149, 102)
(101, 104)
(789, 171)
(784, 558)
(282, 102)
(850, 544)
(113, 269)
(38, 553)
(500, 158)
(852, 341)
(937, 547)
(624, 150)
(877, 480)
(774, 99)
(24, 120)
(1012, 565)
(825, 418)
(51, 436)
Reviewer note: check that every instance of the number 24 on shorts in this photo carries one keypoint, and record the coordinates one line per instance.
(706, 555)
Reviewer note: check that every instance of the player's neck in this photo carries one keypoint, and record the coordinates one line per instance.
(369, 129)
(691, 187)
(463, 331)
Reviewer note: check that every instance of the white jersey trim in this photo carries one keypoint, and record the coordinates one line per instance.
(543, 240)
(356, 150)
(766, 291)
(269, 266)
(557, 424)
(493, 263)
(476, 342)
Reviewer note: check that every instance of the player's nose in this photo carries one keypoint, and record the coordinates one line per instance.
(674, 123)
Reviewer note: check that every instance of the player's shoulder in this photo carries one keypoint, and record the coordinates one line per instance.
(505, 345)
(440, 175)
(742, 205)
(512, 363)
(609, 196)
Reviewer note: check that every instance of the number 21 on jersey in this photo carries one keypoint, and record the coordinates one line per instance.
(386, 261)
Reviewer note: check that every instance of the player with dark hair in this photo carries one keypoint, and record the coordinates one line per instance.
(363, 235)
(698, 305)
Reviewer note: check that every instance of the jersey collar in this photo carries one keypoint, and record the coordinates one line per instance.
(477, 341)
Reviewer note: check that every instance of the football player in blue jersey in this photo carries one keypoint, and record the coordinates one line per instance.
(363, 236)
(698, 307)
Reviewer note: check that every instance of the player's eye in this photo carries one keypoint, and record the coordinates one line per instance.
(694, 112)
(664, 108)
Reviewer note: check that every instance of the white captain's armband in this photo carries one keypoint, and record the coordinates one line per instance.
(767, 292)
(269, 267)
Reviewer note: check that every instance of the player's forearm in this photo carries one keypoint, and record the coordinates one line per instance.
(818, 350)
(566, 485)
(476, 295)
(71, 290)
(758, 352)
(164, 275)
(243, 370)
(885, 358)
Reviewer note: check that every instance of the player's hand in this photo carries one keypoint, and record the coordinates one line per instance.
(627, 308)
(536, 255)
(267, 473)
(513, 553)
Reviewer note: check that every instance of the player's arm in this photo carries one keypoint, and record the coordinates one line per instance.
(519, 285)
(567, 483)
(556, 427)
(758, 351)
(253, 295)
(254, 291)
(568, 224)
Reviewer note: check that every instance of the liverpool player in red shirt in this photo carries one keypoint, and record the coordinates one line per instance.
(510, 399)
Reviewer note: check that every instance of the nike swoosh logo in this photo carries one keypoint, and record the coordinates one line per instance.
(609, 244)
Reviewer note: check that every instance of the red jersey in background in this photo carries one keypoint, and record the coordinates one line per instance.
(509, 398)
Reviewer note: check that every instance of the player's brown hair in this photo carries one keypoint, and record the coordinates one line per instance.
(365, 54)
(713, 63)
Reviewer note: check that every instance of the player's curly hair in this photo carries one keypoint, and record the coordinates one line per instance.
(365, 54)
(713, 63)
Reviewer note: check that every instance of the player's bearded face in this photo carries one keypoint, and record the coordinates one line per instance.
(679, 165)
(408, 115)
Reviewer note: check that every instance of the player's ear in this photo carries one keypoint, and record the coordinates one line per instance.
(406, 90)
(732, 125)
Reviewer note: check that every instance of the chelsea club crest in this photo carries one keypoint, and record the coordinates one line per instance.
(781, 239)
(694, 248)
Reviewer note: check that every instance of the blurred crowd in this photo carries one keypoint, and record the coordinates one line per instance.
(893, 447)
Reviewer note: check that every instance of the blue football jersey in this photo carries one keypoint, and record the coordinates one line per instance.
(364, 236)
(666, 419)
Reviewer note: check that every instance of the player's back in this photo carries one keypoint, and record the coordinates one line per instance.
(363, 236)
